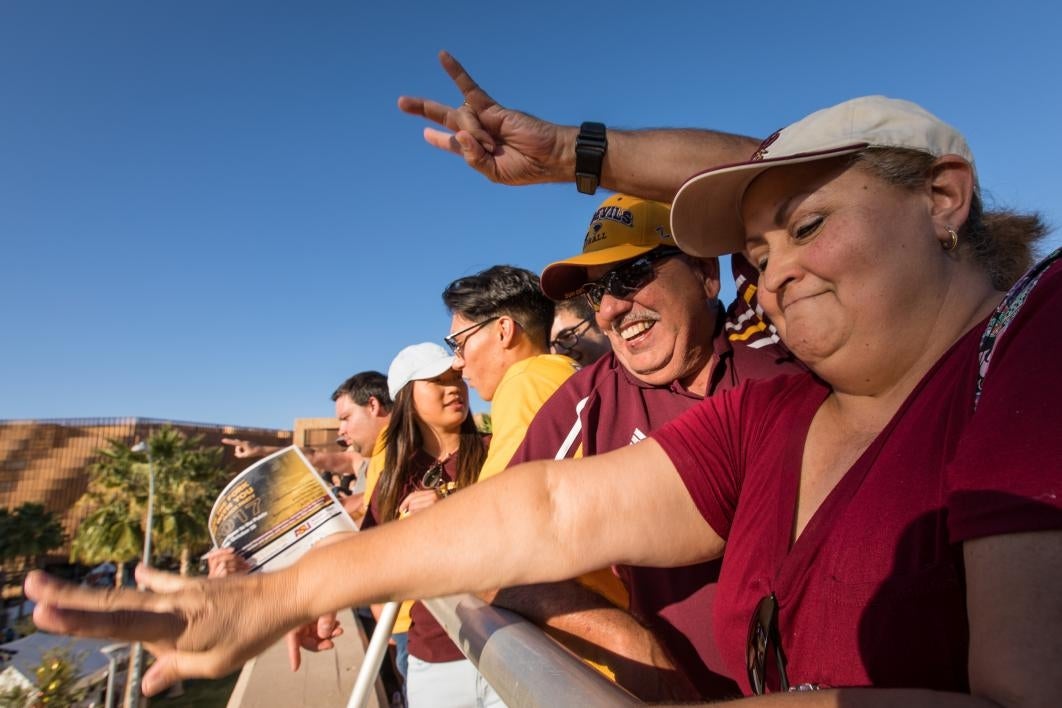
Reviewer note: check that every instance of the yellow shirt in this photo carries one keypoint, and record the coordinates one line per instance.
(523, 389)
(376, 464)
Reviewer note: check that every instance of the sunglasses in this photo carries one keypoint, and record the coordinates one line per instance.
(452, 339)
(764, 636)
(568, 338)
(627, 279)
(435, 479)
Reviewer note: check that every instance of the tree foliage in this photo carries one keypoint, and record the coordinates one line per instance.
(26, 534)
(29, 532)
(188, 477)
(55, 680)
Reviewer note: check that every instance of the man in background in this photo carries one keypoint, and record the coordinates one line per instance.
(575, 332)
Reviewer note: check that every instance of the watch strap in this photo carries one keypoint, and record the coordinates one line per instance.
(590, 147)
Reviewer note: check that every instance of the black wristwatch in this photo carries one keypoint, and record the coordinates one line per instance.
(590, 146)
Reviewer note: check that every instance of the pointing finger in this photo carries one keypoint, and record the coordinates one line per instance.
(46, 590)
(432, 110)
(162, 628)
(474, 96)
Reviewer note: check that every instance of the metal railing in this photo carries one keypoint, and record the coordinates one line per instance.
(523, 665)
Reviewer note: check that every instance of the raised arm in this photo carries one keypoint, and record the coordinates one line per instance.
(563, 523)
(516, 148)
(246, 448)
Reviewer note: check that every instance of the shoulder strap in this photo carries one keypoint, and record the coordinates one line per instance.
(1004, 314)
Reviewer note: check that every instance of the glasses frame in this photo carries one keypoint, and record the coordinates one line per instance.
(574, 333)
(626, 279)
(763, 632)
(457, 347)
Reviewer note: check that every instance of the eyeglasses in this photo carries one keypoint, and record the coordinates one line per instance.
(627, 279)
(763, 633)
(568, 338)
(451, 339)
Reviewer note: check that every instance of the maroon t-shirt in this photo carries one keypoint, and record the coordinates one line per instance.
(603, 407)
(873, 591)
(428, 641)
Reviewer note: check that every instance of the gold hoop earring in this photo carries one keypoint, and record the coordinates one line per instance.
(953, 239)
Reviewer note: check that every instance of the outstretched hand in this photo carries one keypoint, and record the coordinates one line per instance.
(194, 627)
(504, 145)
(243, 448)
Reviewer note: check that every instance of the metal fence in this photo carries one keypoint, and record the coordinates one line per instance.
(521, 663)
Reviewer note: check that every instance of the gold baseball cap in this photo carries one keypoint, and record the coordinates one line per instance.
(622, 228)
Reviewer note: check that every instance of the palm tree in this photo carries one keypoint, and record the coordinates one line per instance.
(109, 533)
(25, 535)
(187, 479)
(112, 530)
(39, 531)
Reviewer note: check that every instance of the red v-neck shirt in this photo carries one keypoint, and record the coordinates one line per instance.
(873, 591)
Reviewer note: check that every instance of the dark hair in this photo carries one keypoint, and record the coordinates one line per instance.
(503, 290)
(363, 386)
(404, 440)
(1000, 241)
(578, 306)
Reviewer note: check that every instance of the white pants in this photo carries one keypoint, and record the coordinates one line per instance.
(448, 684)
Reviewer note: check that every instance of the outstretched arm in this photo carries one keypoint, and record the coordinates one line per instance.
(563, 525)
(516, 148)
(245, 448)
(598, 631)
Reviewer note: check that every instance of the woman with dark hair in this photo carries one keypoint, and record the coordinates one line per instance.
(433, 449)
(891, 519)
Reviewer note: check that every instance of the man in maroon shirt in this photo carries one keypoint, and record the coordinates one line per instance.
(673, 344)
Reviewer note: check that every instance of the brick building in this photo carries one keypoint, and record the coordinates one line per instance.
(47, 461)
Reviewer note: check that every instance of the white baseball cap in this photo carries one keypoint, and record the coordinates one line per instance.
(416, 363)
(706, 212)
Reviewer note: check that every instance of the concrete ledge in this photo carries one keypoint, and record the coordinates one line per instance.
(325, 679)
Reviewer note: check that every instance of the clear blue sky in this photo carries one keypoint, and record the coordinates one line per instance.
(214, 211)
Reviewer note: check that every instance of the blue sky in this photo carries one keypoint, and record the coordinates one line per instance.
(214, 211)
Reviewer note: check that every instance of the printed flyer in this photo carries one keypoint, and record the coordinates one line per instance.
(275, 510)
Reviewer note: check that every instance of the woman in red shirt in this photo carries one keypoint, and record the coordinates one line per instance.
(892, 520)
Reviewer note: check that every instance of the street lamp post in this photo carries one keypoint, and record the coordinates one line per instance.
(136, 660)
(112, 662)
